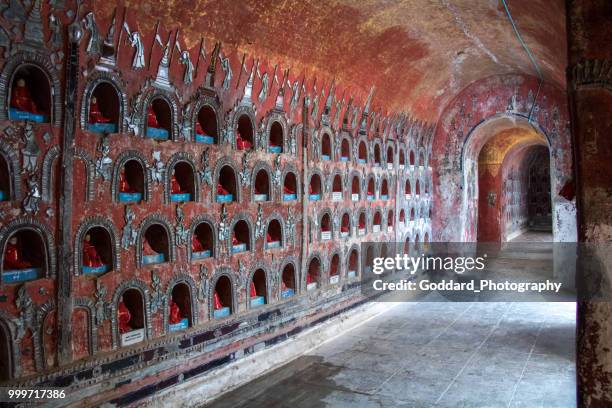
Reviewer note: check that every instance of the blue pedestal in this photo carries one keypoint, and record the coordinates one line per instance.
(325, 157)
(201, 255)
(273, 244)
(257, 301)
(384, 197)
(180, 197)
(102, 127)
(275, 149)
(225, 198)
(182, 325)
(221, 313)
(314, 197)
(157, 133)
(95, 269)
(204, 139)
(20, 275)
(15, 114)
(3, 196)
(351, 274)
(287, 293)
(239, 248)
(153, 259)
(130, 197)
(289, 197)
(260, 197)
(344, 234)
(370, 197)
(344, 158)
(361, 161)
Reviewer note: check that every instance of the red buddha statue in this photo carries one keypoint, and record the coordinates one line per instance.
(221, 190)
(124, 317)
(152, 118)
(90, 254)
(95, 115)
(242, 144)
(198, 129)
(309, 279)
(310, 191)
(269, 238)
(283, 286)
(361, 225)
(235, 241)
(253, 291)
(287, 190)
(174, 315)
(21, 99)
(146, 248)
(196, 245)
(175, 186)
(13, 258)
(344, 228)
(217, 301)
(124, 186)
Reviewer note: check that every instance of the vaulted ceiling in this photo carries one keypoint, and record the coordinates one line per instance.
(418, 53)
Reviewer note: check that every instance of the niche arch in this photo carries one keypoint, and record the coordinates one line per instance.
(278, 118)
(262, 285)
(142, 287)
(249, 233)
(187, 280)
(120, 163)
(168, 242)
(212, 242)
(223, 272)
(113, 244)
(262, 182)
(288, 274)
(171, 102)
(234, 185)
(241, 117)
(276, 231)
(114, 82)
(190, 181)
(206, 109)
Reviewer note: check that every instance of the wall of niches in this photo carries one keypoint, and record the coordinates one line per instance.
(190, 181)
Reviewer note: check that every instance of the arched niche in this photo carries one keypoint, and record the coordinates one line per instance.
(371, 189)
(369, 258)
(407, 245)
(362, 157)
(412, 214)
(97, 250)
(407, 189)
(258, 291)
(262, 186)
(159, 119)
(206, 125)
(402, 159)
(402, 217)
(326, 147)
(390, 157)
(131, 317)
(7, 362)
(103, 108)
(155, 244)
(345, 150)
(361, 223)
(274, 234)
(203, 241)
(355, 188)
(377, 221)
(6, 192)
(30, 96)
(377, 154)
(227, 185)
(411, 157)
(384, 190)
(241, 237)
(131, 182)
(276, 138)
(180, 311)
(337, 187)
(326, 226)
(345, 225)
(390, 220)
(24, 256)
(417, 188)
(245, 133)
(313, 273)
(334, 269)
(290, 186)
(182, 182)
(223, 298)
(352, 263)
(288, 281)
(315, 187)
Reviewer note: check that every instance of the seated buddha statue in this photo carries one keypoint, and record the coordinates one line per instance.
(196, 245)
(361, 225)
(269, 238)
(283, 286)
(146, 248)
(95, 115)
(13, 258)
(309, 279)
(242, 144)
(175, 186)
(124, 185)
(90, 254)
(344, 228)
(221, 190)
(235, 241)
(152, 118)
(123, 316)
(252, 291)
(21, 98)
(174, 313)
(288, 190)
(217, 301)
(198, 129)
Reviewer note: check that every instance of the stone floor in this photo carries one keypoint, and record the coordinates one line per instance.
(433, 354)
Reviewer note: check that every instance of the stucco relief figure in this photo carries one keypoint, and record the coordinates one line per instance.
(134, 39)
(93, 46)
(185, 60)
(263, 94)
(157, 171)
(227, 70)
(33, 196)
(30, 150)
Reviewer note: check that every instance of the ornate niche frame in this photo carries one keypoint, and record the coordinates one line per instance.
(195, 223)
(143, 288)
(115, 242)
(176, 158)
(280, 117)
(186, 279)
(268, 274)
(120, 162)
(155, 219)
(205, 98)
(223, 271)
(112, 79)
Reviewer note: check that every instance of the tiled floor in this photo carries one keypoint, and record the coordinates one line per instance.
(433, 354)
